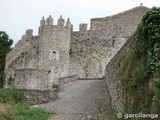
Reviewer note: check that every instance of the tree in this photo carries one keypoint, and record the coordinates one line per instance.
(5, 47)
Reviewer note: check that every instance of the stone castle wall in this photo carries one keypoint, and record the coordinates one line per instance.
(31, 79)
(112, 77)
(37, 61)
(22, 56)
(58, 52)
(54, 49)
(125, 20)
(34, 97)
(91, 50)
(21, 49)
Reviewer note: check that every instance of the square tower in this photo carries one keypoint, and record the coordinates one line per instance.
(54, 47)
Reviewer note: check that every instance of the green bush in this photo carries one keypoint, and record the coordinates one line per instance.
(148, 35)
(157, 82)
(10, 95)
(1, 81)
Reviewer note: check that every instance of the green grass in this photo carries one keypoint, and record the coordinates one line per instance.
(10, 95)
(13, 108)
(23, 112)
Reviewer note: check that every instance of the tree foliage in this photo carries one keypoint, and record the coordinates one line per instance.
(140, 69)
(5, 47)
(148, 35)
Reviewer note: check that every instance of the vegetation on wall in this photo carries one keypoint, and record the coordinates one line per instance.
(140, 69)
(5, 47)
(148, 35)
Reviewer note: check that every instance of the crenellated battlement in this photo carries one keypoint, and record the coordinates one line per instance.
(49, 22)
(47, 25)
(82, 27)
(16, 58)
(29, 32)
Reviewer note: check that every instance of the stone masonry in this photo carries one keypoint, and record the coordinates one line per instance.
(91, 50)
(112, 77)
(38, 62)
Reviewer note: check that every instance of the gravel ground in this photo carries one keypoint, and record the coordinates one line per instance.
(80, 100)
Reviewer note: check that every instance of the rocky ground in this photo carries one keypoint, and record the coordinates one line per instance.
(80, 100)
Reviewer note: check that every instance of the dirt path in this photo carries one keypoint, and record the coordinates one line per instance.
(80, 100)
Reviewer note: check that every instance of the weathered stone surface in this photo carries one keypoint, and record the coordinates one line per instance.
(127, 21)
(33, 97)
(31, 79)
(68, 79)
(91, 50)
(82, 27)
(112, 78)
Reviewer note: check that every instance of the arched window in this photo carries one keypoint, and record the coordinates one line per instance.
(54, 55)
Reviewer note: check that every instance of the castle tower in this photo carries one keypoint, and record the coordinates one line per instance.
(54, 46)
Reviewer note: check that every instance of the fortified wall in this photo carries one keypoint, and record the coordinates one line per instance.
(91, 50)
(112, 77)
(126, 21)
(38, 62)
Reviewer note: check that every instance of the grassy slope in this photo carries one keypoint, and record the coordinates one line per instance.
(13, 108)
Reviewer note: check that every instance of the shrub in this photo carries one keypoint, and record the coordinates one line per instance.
(157, 82)
(10, 95)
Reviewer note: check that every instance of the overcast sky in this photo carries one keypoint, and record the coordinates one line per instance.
(19, 15)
